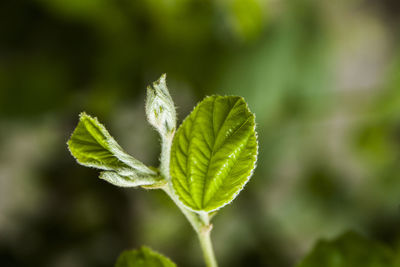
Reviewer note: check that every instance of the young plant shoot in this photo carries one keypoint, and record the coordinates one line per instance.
(204, 164)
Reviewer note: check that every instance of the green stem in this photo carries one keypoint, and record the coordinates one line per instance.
(191, 216)
(166, 143)
(202, 226)
(206, 246)
(199, 221)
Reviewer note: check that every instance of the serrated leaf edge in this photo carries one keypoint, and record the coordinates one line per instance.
(248, 177)
(115, 149)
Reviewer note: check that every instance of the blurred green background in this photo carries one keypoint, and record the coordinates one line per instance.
(323, 78)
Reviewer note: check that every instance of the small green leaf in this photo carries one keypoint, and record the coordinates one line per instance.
(214, 153)
(143, 257)
(160, 109)
(350, 250)
(93, 146)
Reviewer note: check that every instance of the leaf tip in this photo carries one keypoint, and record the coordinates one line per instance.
(161, 82)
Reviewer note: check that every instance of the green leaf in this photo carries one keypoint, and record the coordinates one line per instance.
(143, 257)
(160, 109)
(131, 181)
(214, 153)
(93, 146)
(349, 250)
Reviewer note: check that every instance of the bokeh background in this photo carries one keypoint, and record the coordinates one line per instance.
(323, 78)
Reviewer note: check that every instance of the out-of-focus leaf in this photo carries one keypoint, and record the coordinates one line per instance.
(214, 153)
(93, 146)
(349, 250)
(246, 17)
(143, 257)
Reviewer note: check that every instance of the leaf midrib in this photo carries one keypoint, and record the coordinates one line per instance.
(206, 178)
(94, 136)
(244, 144)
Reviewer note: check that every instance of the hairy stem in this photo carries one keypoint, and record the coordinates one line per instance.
(199, 221)
(166, 143)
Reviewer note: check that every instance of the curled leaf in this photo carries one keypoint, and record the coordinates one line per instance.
(130, 181)
(93, 146)
(160, 109)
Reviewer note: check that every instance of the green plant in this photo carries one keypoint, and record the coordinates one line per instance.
(143, 257)
(203, 165)
(348, 250)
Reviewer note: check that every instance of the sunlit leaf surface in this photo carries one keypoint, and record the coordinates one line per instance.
(214, 153)
(93, 146)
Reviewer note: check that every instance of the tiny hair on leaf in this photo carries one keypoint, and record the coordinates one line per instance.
(214, 153)
(93, 146)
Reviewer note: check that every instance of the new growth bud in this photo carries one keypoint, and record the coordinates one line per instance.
(160, 109)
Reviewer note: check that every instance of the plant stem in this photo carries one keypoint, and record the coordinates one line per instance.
(206, 246)
(199, 221)
(191, 216)
(166, 143)
(202, 226)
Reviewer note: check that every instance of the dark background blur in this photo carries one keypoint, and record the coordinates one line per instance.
(323, 78)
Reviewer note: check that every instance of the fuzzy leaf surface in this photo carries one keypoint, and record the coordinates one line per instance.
(93, 146)
(143, 257)
(214, 153)
(160, 109)
(129, 181)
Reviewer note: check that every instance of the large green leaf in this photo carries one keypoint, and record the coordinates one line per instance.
(350, 250)
(214, 153)
(93, 146)
(143, 257)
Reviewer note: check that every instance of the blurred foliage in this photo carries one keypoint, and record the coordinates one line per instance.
(350, 249)
(143, 257)
(322, 78)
